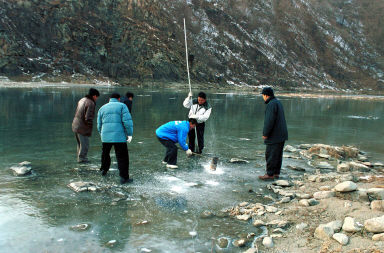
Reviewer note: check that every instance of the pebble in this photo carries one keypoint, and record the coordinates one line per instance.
(375, 225)
(377, 205)
(350, 225)
(323, 232)
(324, 194)
(341, 238)
(268, 242)
(378, 237)
(301, 226)
(347, 186)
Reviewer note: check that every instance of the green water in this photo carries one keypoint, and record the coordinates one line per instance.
(37, 211)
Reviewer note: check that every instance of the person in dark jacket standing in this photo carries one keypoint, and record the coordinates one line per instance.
(83, 122)
(127, 100)
(275, 134)
(115, 126)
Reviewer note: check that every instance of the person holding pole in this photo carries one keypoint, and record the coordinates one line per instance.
(200, 110)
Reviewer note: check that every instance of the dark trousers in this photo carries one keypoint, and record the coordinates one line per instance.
(200, 137)
(171, 152)
(122, 157)
(274, 158)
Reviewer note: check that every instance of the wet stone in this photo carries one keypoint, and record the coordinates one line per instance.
(222, 243)
(238, 160)
(295, 168)
(80, 227)
(81, 186)
(22, 169)
(239, 243)
(206, 214)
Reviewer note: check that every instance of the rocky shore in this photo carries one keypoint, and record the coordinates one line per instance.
(338, 208)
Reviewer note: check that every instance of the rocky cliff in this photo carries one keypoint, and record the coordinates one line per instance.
(288, 43)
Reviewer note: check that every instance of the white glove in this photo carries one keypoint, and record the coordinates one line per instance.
(190, 94)
(129, 139)
(188, 152)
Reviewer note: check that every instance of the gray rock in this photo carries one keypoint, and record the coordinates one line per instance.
(22, 169)
(377, 205)
(375, 193)
(268, 242)
(290, 148)
(347, 186)
(325, 188)
(80, 227)
(324, 194)
(313, 202)
(301, 226)
(291, 167)
(222, 243)
(359, 167)
(375, 225)
(277, 223)
(239, 243)
(341, 238)
(304, 202)
(243, 217)
(343, 167)
(81, 186)
(206, 214)
(282, 183)
(285, 200)
(258, 223)
(271, 209)
(335, 225)
(323, 232)
(350, 225)
(238, 160)
(378, 237)
(303, 196)
(324, 165)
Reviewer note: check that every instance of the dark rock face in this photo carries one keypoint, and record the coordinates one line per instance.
(287, 43)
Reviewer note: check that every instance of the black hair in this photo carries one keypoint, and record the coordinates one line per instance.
(93, 92)
(202, 95)
(193, 121)
(129, 94)
(115, 95)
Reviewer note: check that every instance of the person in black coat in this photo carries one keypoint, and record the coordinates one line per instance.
(275, 134)
(127, 100)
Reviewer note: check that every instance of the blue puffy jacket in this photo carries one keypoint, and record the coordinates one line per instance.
(175, 131)
(114, 122)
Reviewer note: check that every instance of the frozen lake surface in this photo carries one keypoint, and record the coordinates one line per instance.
(163, 210)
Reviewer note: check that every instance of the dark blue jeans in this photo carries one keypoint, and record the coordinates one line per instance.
(274, 158)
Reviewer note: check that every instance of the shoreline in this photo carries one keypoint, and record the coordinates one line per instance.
(214, 88)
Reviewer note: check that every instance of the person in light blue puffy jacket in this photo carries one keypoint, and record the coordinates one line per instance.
(171, 133)
(114, 123)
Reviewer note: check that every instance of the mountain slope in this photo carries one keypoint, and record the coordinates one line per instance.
(288, 43)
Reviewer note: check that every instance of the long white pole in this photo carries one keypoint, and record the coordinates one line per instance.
(189, 79)
(186, 55)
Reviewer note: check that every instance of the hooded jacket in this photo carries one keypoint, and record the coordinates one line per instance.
(83, 121)
(114, 122)
(275, 126)
(175, 131)
(201, 111)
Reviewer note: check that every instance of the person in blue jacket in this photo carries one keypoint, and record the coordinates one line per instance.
(114, 123)
(171, 133)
